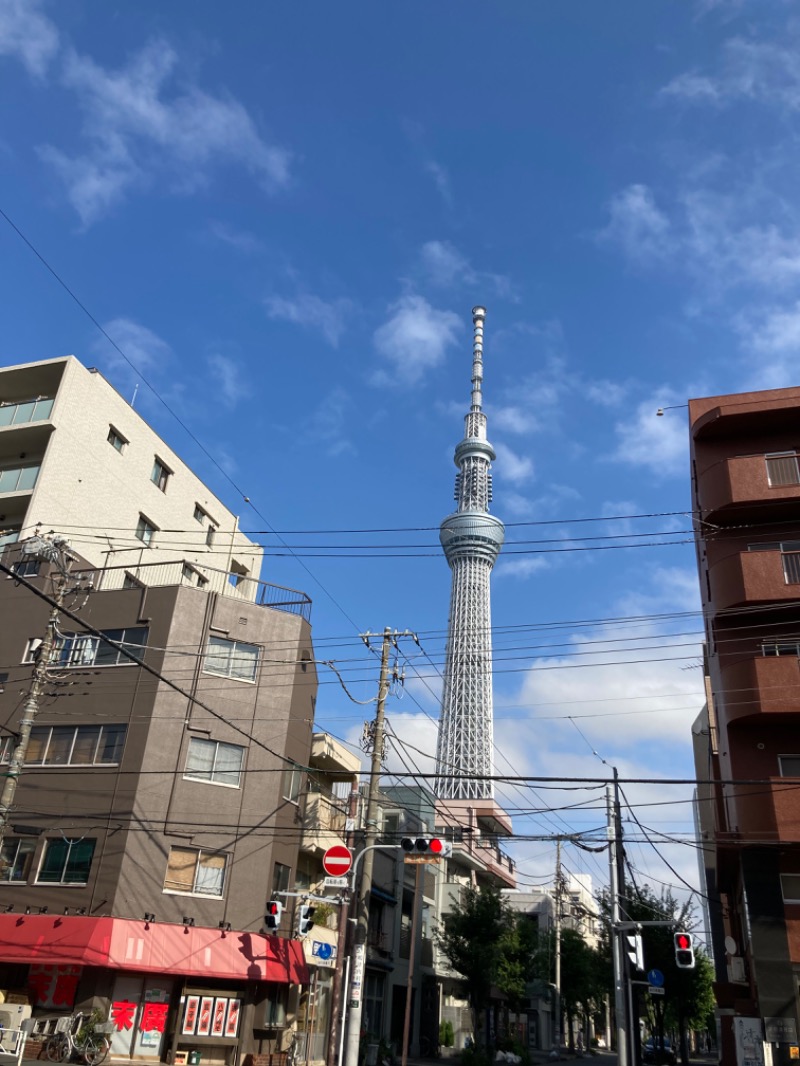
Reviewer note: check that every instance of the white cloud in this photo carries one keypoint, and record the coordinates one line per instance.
(243, 240)
(637, 224)
(414, 339)
(756, 70)
(775, 336)
(138, 126)
(512, 467)
(441, 180)
(513, 419)
(148, 352)
(228, 379)
(508, 566)
(306, 309)
(661, 444)
(329, 424)
(28, 34)
(443, 264)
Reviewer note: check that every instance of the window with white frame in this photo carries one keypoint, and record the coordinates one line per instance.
(200, 515)
(211, 760)
(82, 649)
(790, 888)
(31, 650)
(193, 871)
(75, 745)
(16, 858)
(292, 783)
(26, 567)
(145, 531)
(789, 765)
(231, 658)
(115, 439)
(66, 861)
(7, 745)
(782, 468)
(281, 876)
(161, 474)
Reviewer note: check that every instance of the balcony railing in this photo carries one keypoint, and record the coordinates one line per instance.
(209, 578)
(16, 414)
(323, 822)
(20, 478)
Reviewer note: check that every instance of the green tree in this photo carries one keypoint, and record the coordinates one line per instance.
(478, 939)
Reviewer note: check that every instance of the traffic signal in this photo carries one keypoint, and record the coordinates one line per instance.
(305, 919)
(431, 847)
(634, 949)
(684, 951)
(273, 916)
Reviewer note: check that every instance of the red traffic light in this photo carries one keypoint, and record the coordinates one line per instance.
(274, 908)
(683, 942)
(436, 846)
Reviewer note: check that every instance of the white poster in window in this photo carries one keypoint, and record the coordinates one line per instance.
(204, 1018)
(232, 1020)
(218, 1021)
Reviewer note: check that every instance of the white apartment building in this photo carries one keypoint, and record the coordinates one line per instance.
(77, 459)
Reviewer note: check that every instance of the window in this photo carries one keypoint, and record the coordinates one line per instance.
(210, 760)
(195, 872)
(790, 886)
(210, 534)
(782, 469)
(131, 582)
(780, 647)
(14, 414)
(6, 748)
(280, 878)
(161, 474)
(237, 574)
(19, 478)
(145, 530)
(231, 658)
(66, 861)
(790, 765)
(292, 783)
(27, 567)
(31, 650)
(83, 745)
(115, 439)
(16, 858)
(78, 649)
(199, 514)
(790, 556)
(193, 576)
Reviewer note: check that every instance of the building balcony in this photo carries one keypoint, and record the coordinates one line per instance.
(767, 482)
(194, 572)
(760, 684)
(23, 412)
(750, 578)
(323, 822)
(766, 814)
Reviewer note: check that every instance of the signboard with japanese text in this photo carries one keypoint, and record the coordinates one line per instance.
(53, 987)
(190, 1011)
(357, 977)
(218, 1022)
(232, 1018)
(204, 1017)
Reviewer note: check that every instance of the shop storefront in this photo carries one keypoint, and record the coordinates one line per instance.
(314, 1015)
(174, 993)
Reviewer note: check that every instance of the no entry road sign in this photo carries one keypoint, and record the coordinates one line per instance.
(336, 861)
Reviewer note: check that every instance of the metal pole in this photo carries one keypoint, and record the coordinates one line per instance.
(557, 990)
(338, 1001)
(31, 706)
(623, 955)
(616, 947)
(344, 1012)
(362, 922)
(411, 954)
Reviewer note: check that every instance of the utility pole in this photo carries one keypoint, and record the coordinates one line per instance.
(411, 955)
(359, 955)
(616, 945)
(557, 996)
(339, 977)
(55, 552)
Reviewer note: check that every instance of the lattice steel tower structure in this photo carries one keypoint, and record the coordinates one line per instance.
(471, 539)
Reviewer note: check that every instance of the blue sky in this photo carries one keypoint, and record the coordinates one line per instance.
(283, 214)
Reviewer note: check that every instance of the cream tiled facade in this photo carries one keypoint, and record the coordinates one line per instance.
(84, 467)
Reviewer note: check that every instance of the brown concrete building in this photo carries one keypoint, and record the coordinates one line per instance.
(159, 807)
(746, 498)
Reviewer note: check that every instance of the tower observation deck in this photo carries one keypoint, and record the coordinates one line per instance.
(471, 539)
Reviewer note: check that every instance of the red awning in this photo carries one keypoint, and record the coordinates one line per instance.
(123, 944)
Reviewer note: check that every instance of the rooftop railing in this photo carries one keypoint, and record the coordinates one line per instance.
(208, 578)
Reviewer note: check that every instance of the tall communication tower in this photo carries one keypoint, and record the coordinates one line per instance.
(471, 539)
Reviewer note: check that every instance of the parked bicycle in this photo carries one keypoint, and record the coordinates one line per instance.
(79, 1041)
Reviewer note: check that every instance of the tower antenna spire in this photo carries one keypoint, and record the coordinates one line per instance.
(478, 316)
